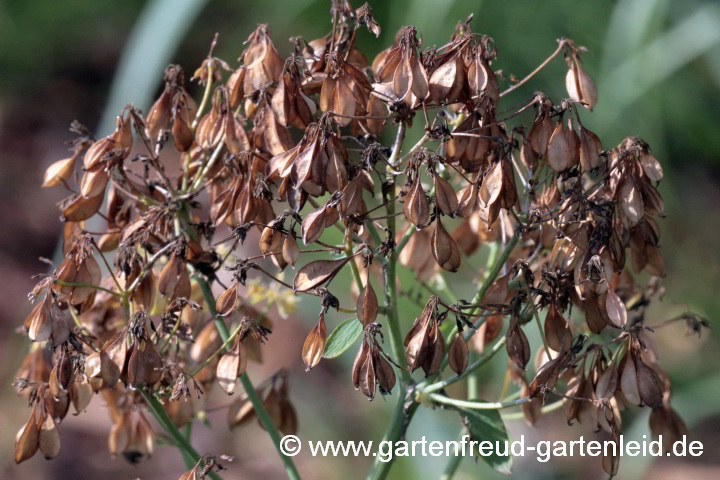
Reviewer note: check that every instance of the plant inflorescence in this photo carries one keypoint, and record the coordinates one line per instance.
(288, 151)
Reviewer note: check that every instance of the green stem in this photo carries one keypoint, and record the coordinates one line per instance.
(254, 398)
(477, 405)
(180, 441)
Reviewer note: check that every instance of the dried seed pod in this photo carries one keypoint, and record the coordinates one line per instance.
(385, 375)
(314, 345)
(615, 308)
(241, 412)
(49, 439)
(518, 347)
(59, 172)
(557, 330)
(231, 366)
(358, 364)
(174, 278)
(144, 364)
(417, 206)
(436, 351)
(316, 273)
(458, 355)
(445, 196)
(290, 250)
(368, 379)
(589, 147)
(444, 249)
(562, 148)
(580, 86)
(667, 423)
(607, 383)
(313, 225)
(262, 62)
(649, 384)
(27, 439)
(447, 82)
(367, 305)
(629, 380)
(227, 301)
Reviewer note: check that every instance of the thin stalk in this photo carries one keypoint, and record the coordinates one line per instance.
(253, 396)
(477, 405)
(180, 441)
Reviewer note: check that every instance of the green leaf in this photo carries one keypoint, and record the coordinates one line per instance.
(343, 337)
(487, 425)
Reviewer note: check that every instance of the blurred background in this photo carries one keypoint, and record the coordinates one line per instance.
(657, 67)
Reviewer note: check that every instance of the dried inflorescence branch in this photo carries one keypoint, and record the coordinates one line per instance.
(303, 136)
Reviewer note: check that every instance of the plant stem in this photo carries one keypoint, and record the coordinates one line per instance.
(180, 441)
(477, 405)
(390, 280)
(254, 398)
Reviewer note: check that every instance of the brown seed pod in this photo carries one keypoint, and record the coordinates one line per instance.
(445, 196)
(358, 364)
(314, 345)
(435, 352)
(579, 85)
(316, 273)
(385, 375)
(174, 280)
(444, 249)
(28, 438)
(231, 365)
(557, 330)
(290, 250)
(518, 347)
(367, 305)
(49, 439)
(59, 172)
(458, 355)
(417, 206)
(368, 379)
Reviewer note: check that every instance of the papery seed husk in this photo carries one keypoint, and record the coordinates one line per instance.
(445, 196)
(436, 351)
(27, 439)
(458, 355)
(231, 366)
(518, 346)
(313, 225)
(358, 363)
(385, 375)
(314, 345)
(417, 207)
(226, 302)
(367, 305)
(290, 250)
(607, 383)
(49, 439)
(58, 171)
(144, 364)
(557, 331)
(241, 412)
(317, 273)
(615, 307)
(649, 385)
(629, 381)
(367, 376)
(444, 249)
